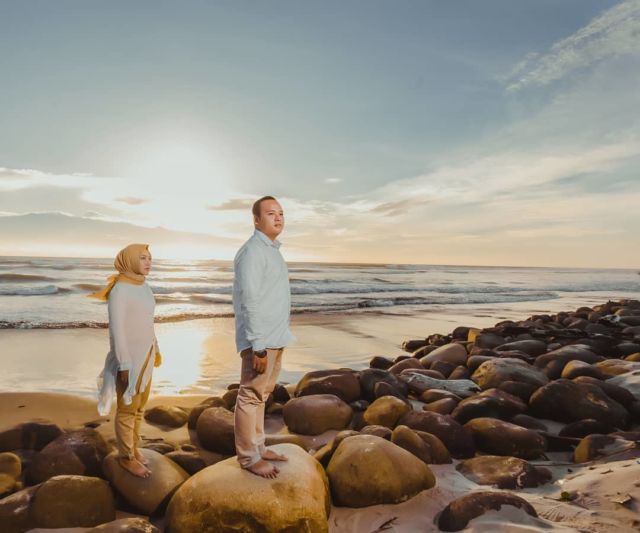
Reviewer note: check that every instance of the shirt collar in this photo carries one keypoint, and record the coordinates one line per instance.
(276, 243)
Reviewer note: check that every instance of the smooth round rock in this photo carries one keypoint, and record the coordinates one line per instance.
(533, 348)
(444, 406)
(197, 410)
(385, 412)
(498, 437)
(367, 470)
(28, 436)
(145, 494)
(457, 515)
(342, 383)
(370, 376)
(492, 403)
(78, 452)
(566, 401)
(167, 415)
(492, 373)
(575, 368)
(313, 415)
(594, 446)
(379, 431)
(72, 501)
(453, 353)
(215, 429)
(503, 472)
(457, 439)
(224, 497)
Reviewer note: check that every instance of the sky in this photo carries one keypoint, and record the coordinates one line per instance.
(501, 132)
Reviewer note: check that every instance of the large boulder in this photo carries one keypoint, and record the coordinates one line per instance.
(367, 470)
(461, 511)
(503, 472)
(167, 415)
(78, 452)
(28, 436)
(494, 372)
(450, 353)
(59, 502)
(567, 401)
(492, 403)
(498, 437)
(457, 439)
(215, 429)
(312, 415)
(148, 495)
(385, 411)
(342, 383)
(223, 497)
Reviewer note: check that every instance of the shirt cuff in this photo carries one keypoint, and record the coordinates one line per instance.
(258, 346)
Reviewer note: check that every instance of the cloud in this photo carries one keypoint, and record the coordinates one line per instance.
(59, 233)
(131, 200)
(612, 34)
(43, 198)
(234, 204)
(333, 180)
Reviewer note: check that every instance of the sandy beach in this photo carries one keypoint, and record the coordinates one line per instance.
(600, 494)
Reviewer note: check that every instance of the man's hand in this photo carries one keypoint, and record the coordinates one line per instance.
(259, 364)
(123, 376)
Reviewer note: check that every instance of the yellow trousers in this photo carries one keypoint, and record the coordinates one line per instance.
(129, 417)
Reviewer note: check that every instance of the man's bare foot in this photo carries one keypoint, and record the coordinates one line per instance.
(133, 466)
(141, 458)
(270, 455)
(263, 469)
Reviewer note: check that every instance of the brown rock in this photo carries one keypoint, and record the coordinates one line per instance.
(342, 383)
(313, 415)
(498, 437)
(386, 411)
(503, 472)
(385, 474)
(461, 511)
(215, 430)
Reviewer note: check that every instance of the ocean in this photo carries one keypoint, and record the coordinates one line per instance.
(51, 293)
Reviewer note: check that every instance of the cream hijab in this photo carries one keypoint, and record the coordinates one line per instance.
(127, 264)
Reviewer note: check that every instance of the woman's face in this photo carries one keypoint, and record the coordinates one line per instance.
(145, 263)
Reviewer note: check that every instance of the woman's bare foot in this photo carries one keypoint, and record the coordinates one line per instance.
(263, 469)
(141, 458)
(133, 466)
(270, 455)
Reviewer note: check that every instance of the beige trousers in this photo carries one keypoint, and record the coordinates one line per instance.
(129, 417)
(249, 413)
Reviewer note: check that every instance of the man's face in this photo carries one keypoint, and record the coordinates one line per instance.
(271, 219)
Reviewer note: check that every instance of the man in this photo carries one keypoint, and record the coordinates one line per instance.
(262, 303)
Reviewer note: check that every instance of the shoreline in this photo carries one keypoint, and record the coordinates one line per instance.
(199, 355)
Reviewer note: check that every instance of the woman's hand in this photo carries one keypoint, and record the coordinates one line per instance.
(123, 376)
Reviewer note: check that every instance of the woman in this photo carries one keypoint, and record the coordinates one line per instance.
(128, 366)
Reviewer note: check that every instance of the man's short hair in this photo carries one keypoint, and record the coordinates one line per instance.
(256, 206)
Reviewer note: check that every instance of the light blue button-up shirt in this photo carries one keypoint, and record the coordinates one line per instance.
(261, 295)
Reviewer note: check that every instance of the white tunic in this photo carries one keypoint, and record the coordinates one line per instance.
(131, 336)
